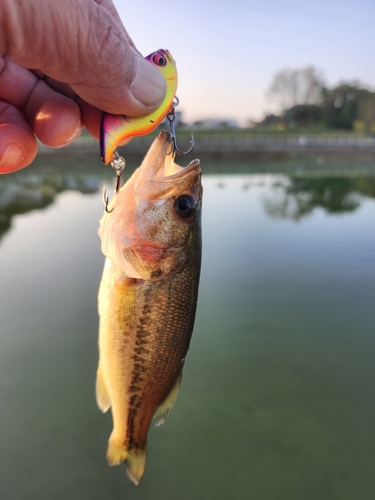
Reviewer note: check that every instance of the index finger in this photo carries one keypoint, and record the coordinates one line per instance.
(54, 118)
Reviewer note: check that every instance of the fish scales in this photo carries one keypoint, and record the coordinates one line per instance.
(147, 299)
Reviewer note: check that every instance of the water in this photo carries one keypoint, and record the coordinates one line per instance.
(277, 399)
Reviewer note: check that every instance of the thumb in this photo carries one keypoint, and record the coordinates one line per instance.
(81, 43)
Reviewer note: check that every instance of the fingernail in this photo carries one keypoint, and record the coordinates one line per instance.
(149, 85)
(12, 156)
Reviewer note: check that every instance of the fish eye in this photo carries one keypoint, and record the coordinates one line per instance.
(184, 206)
(159, 60)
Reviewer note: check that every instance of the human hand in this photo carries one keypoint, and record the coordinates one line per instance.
(63, 63)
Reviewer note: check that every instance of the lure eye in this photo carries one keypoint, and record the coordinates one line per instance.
(159, 60)
(184, 206)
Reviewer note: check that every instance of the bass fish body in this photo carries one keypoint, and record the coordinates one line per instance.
(147, 298)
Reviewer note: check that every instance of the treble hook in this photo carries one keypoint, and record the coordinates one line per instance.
(118, 164)
(171, 118)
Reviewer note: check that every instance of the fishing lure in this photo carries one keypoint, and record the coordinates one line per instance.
(117, 128)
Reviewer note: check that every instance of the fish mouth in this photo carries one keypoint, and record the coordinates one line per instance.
(161, 177)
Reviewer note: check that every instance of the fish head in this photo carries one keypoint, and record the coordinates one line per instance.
(155, 227)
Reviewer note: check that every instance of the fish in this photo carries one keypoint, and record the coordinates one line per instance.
(118, 129)
(151, 237)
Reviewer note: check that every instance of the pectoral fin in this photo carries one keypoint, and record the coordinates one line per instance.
(165, 408)
(103, 399)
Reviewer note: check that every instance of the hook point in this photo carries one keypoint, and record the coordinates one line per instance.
(106, 201)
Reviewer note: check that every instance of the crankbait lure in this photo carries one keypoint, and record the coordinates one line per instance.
(117, 128)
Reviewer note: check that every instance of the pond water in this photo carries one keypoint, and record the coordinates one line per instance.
(277, 400)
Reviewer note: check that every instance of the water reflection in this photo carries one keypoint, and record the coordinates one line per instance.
(20, 194)
(297, 197)
(288, 197)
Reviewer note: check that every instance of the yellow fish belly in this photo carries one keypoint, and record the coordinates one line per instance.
(144, 334)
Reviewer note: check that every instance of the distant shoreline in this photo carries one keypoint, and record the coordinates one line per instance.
(237, 144)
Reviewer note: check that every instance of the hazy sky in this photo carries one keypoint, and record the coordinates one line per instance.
(227, 52)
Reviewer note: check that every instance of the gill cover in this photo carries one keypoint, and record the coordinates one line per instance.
(115, 129)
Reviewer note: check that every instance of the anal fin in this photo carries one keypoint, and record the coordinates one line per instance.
(103, 399)
(165, 408)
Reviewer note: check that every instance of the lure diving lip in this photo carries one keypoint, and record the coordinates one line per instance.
(116, 129)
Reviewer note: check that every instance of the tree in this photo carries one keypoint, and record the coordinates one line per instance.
(344, 104)
(303, 115)
(291, 87)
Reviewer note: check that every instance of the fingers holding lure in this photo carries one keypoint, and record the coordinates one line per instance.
(115, 129)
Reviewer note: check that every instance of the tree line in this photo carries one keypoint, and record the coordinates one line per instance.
(305, 100)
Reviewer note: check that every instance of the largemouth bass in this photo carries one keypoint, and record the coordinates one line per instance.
(147, 298)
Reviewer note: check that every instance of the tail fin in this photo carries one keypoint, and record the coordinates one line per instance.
(135, 459)
(135, 464)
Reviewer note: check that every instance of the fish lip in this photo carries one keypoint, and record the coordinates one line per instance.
(186, 179)
(154, 162)
(152, 183)
(193, 167)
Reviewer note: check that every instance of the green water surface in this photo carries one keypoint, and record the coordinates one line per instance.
(277, 400)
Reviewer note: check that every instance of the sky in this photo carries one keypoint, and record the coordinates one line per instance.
(227, 52)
